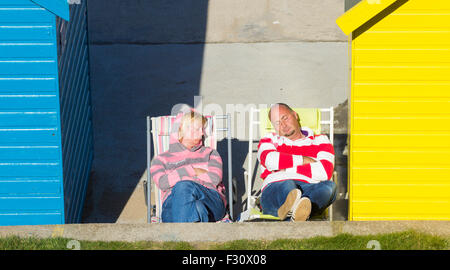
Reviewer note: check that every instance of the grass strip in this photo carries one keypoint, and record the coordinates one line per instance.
(407, 240)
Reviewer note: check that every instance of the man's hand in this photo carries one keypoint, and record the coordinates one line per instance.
(199, 171)
(307, 160)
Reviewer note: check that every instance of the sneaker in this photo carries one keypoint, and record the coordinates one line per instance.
(292, 199)
(301, 210)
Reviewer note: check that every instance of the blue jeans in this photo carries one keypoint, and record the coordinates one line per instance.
(321, 195)
(192, 202)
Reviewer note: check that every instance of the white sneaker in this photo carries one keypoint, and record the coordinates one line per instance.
(292, 201)
(301, 210)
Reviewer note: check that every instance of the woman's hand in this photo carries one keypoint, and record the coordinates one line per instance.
(199, 171)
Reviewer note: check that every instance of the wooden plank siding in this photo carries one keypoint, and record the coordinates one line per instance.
(31, 180)
(400, 116)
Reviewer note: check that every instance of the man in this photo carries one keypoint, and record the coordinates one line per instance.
(297, 166)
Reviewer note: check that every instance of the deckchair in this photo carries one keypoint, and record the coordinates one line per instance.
(158, 132)
(310, 117)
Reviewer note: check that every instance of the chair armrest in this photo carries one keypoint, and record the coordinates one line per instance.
(334, 177)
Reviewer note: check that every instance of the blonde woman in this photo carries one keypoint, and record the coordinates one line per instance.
(190, 174)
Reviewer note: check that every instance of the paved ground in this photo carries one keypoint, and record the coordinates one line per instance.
(221, 232)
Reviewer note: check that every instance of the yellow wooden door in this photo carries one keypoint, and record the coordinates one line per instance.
(399, 167)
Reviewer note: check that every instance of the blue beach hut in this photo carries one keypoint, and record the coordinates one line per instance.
(46, 143)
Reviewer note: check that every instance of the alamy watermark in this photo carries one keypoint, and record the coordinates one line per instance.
(373, 245)
(73, 245)
(74, 2)
(239, 113)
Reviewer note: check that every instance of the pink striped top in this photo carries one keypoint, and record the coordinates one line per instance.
(178, 163)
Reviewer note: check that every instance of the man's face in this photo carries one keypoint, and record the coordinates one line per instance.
(285, 122)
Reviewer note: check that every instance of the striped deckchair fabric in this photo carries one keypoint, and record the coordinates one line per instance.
(161, 131)
(162, 126)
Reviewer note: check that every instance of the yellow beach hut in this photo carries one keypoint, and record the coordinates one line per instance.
(399, 114)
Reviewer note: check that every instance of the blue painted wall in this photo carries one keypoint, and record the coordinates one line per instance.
(44, 125)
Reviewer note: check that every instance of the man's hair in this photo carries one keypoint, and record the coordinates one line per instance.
(279, 104)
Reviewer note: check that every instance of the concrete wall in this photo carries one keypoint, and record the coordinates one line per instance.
(147, 56)
(302, 74)
(226, 21)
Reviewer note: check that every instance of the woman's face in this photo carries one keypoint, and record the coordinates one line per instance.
(192, 131)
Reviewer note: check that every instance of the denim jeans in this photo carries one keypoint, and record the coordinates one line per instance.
(321, 195)
(192, 202)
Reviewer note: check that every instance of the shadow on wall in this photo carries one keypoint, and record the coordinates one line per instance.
(139, 67)
(239, 150)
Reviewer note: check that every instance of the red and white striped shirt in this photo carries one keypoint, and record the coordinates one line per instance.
(282, 159)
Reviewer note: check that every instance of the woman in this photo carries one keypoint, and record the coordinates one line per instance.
(189, 174)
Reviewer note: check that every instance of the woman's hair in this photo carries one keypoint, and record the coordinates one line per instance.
(190, 117)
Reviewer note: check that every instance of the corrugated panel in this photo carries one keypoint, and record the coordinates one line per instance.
(41, 50)
(404, 39)
(361, 13)
(26, 84)
(433, 54)
(435, 19)
(30, 217)
(28, 102)
(400, 116)
(25, 14)
(30, 140)
(18, 3)
(29, 135)
(23, 119)
(424, 5)
(77, 141)
(17, 32)
(27, 186)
